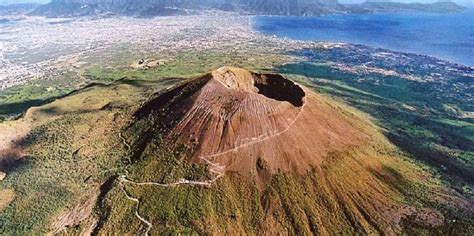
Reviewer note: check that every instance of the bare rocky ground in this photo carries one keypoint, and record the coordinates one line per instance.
(11, 133)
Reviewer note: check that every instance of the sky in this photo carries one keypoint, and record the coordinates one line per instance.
(5, 2)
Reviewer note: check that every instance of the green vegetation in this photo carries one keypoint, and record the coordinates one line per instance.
(73, 148)
(411, 112)
(186, 65)
(322, 201)
(18, 99)
(40, 181)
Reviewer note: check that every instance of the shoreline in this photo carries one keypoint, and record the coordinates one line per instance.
(286, 33)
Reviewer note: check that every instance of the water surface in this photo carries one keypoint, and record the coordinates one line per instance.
(446, 36)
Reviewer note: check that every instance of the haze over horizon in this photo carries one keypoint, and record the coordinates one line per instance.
(7, 2)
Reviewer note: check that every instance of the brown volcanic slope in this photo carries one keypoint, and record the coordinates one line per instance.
(293, 161)
(234, 117)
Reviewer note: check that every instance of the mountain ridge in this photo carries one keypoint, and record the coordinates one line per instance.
(146, 8)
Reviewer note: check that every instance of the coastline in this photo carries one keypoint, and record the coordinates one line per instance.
(381, 30)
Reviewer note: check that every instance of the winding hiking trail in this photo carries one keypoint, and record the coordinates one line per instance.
(214, 168)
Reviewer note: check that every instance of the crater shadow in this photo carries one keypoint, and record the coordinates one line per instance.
(279, 88)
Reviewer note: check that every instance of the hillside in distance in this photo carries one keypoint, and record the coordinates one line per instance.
(156, 7)
(387, 6)
(147, 8)
(21, 8)
(72, 8)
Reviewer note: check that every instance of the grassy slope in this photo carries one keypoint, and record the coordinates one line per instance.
(413, 117)
(69, 152)
(75, 141)
(18, 99)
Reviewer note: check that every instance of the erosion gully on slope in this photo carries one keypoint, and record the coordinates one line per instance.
(215, 169)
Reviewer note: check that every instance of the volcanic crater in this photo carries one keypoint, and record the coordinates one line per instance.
(245, 121)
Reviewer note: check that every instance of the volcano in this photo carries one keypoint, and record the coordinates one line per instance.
(277, 158)
(236, 119)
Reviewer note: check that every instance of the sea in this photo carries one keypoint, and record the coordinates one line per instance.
(448, 36)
